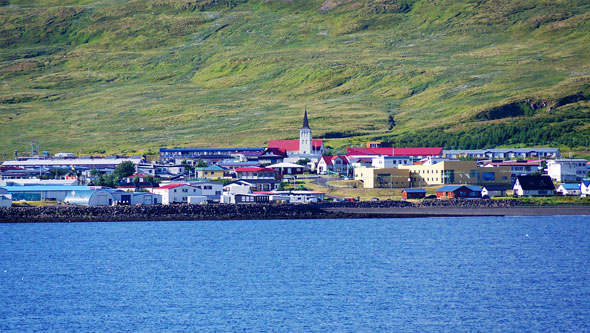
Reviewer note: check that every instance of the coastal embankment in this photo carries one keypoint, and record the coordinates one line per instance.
(389, 209)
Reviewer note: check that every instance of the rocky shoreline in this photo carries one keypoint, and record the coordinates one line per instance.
(257, 211)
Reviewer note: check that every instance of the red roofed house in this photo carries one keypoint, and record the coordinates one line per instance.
(141, 177)
(177, 193)
(417, 152)
(338, 164)
(257, 173)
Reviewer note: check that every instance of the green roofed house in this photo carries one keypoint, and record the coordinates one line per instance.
(210, 172)
(90, 198)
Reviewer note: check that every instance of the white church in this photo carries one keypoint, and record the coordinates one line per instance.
(304, 148)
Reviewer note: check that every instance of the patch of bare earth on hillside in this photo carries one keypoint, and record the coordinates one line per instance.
(330, 4)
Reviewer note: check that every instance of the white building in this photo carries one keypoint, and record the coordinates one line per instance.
(585, 188)
(567, 170)
(136, 198)
(304, 148)
(177, 193)
(211, 190)
(569, 189)
(530, 186)
(504, 153)
(305, 140)
(90, 198)
(382, 162)
(43, 192)
(37, 181)
(5, 200)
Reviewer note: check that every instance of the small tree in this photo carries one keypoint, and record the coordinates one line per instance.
(303, 161)
(123, 170)
(201, 163)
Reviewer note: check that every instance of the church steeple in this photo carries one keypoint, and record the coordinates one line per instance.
(305, 121)
(305, 140)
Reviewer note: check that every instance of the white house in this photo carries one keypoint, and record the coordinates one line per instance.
(569, 189)
(538, 185)
(585, 188)
(335, 164)
(382, 162)
(231, 190)
(493, 190)
(567, 170)
(177, 193)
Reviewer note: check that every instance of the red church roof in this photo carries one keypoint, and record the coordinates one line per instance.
(418, 151)
(293, 145)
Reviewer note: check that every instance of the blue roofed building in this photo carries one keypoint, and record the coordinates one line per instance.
(413, 193)
(574, 189)
(42, 192)
(459, 192)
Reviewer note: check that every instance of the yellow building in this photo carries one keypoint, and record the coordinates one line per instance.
(382, 178)
(210, 172)
(456, 172)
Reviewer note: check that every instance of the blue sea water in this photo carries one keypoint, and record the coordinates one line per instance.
(437, 274)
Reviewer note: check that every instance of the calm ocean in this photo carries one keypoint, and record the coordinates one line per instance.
(436, 274)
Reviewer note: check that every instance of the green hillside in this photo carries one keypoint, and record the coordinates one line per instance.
(125, 76)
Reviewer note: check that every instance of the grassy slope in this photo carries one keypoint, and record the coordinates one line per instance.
(99, 75)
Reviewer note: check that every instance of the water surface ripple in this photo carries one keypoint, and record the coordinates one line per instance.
(437, 274)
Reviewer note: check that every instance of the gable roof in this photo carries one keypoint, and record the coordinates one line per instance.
(293, 145)
(570, 187)
(213, 167)
(329, 160)
(453, 188)
(274, 151)
(414, 190)
(537, 182)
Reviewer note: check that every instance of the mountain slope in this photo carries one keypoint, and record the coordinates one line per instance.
(88, 76)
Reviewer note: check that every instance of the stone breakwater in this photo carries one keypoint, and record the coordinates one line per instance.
(221, 211)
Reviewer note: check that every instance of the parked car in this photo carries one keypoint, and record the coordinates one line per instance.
(374, 199)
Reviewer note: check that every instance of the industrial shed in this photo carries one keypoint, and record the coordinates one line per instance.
(90, 198)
